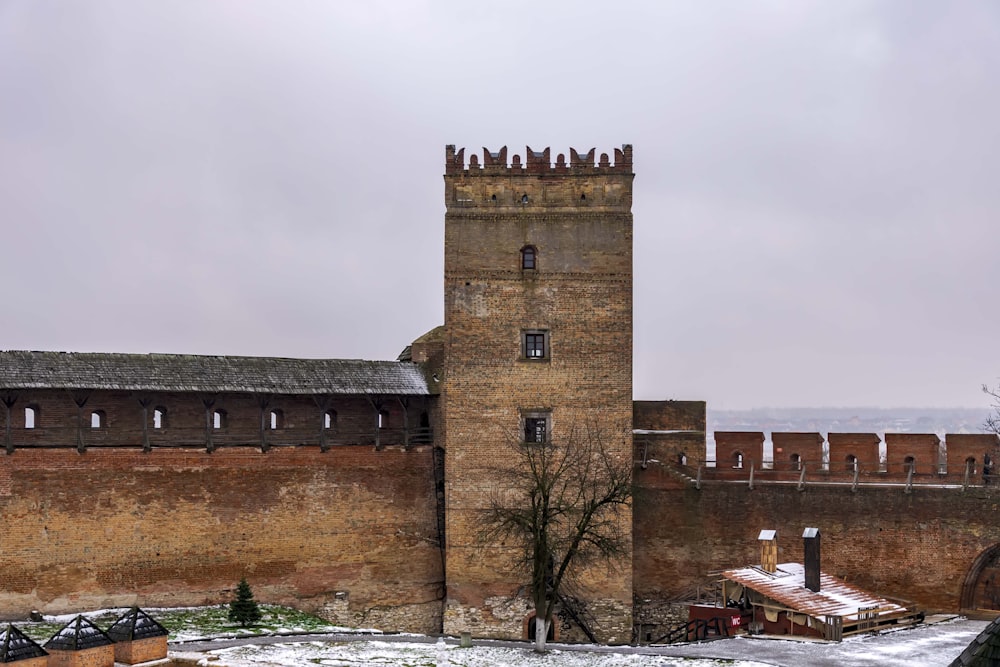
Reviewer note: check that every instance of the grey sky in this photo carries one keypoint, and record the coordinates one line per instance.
(815, 200)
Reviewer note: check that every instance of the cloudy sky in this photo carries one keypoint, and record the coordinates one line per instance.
(816, 193)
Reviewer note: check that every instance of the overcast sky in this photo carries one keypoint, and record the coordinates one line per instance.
(816, 193)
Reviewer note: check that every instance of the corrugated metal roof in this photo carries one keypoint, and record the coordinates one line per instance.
(78, 635)
(185, 373)
(787, 586)
(15, 645)
(135, 624)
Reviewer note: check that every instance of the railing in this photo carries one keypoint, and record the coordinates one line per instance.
(698, 629)
(960, 475)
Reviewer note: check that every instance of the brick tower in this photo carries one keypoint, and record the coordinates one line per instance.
(538, 338)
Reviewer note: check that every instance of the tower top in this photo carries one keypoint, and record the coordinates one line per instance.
(537, 162)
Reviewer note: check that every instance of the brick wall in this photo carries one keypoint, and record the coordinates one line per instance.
(117, 527)
(99, 656)
(918, 546)
(141, 650)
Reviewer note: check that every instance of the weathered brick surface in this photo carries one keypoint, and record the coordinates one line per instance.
(862, 446)
(142, 650)
(923, 448)
(580, 222)
(792, 450)
(99, 656)
(917, 546)
(117, 527)
(729, 444)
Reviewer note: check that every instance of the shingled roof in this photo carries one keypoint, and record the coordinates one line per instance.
(984, 650)
(15, 645)
(191, 373)
(78, 635)
(135, 624)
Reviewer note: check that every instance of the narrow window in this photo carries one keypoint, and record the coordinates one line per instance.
(796, 462)
(383, 419)
(220, 419)
(277, 419)
(909, 464)
(31, 416)
(682, 459)
(330, 419)
(970, 465)
(524, 198)
(737, 459)
(529, 258)
(852, 463)
(98, 419)
(159, 417)
(535, 344)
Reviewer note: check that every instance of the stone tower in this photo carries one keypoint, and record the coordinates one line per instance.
(538, 337)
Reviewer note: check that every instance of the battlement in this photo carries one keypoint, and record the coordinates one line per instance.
(537, 162)
(498, 187)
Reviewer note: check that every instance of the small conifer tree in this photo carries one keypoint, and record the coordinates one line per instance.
(244, 609)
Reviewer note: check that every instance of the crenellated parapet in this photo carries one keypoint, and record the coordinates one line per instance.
(496, 185)
(538, 162)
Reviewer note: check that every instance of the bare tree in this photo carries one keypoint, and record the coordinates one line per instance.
(562, 505)
(992, 423)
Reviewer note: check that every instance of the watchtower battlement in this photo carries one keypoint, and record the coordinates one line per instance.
(537, 182)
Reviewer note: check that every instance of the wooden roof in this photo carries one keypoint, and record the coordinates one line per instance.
(207, 374)
(787, 587)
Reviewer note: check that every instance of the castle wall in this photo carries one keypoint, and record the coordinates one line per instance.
(350, 533)
(918, 546)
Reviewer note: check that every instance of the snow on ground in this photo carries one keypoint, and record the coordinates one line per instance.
(352, 654)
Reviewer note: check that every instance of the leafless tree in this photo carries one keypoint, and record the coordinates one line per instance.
(992, 423)
(562, 505)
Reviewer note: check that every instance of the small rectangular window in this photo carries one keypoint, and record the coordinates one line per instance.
(537, 426)
(535, 429)
(535, 344)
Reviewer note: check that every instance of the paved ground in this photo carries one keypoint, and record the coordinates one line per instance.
(928, 645)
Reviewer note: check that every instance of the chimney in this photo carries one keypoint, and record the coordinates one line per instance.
(810, 538)
(768, 550)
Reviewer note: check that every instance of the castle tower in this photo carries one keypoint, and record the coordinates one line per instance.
(538, 340)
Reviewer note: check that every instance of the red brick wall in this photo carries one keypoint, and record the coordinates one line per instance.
(142, 650)
(748, 443)
(808, 447)
(923, 447)
(100, 656)
(117, 527)
(862, 446)
(918, 546)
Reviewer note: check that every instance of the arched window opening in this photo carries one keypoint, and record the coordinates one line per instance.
(31, 414)
(524, 198)
(796, 462)
(159, 417)
(493, 198)
(852, 463)
(529, 258)
(909, 464)
(550, 634)
(330, 419)
(682, 459)
(737, 459)
(583, 197)
(277, 420)
(98, 419)
(220, 419)
(383, 419)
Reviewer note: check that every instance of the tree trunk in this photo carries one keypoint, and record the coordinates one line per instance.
(541, 631)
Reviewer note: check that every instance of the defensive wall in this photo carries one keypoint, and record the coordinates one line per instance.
(922, 533)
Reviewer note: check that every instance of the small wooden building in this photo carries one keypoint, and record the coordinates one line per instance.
(80, 643)
(138, 638)
(15, 646)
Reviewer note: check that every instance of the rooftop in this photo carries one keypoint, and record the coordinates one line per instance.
(208, 374)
